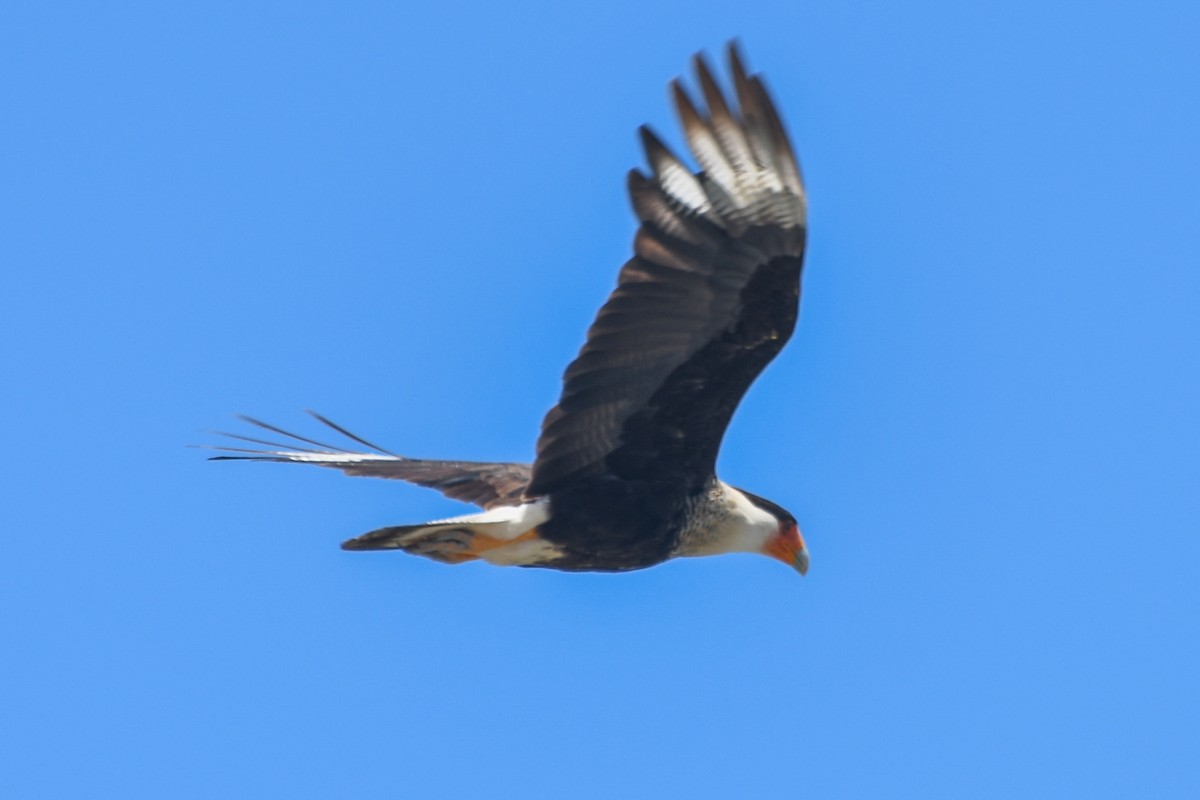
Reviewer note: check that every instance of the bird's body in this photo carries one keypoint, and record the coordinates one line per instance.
(624, 476)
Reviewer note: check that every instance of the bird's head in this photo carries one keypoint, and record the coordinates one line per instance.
(778, 534)
(787, 545)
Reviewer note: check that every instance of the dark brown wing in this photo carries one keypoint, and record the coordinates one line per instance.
(483, 484)
(709, 298)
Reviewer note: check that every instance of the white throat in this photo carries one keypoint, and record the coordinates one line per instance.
(725, 521)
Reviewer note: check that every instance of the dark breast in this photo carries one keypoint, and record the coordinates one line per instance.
(604, 524)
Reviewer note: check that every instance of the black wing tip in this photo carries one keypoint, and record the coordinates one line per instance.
(700, 62)
(710, 88)
(736, 53)
(655, 149)
(636, 180)
(679, 91)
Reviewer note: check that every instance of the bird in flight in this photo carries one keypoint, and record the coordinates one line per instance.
(625, 471)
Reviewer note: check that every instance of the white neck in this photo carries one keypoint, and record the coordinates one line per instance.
(734, 525)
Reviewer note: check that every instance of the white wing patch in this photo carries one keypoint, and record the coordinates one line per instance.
(749, 173)
(505, 522)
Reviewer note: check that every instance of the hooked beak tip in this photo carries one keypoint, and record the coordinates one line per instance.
(801, 561)
(790, 550)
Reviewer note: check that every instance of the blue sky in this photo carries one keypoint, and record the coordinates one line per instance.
(405, 215)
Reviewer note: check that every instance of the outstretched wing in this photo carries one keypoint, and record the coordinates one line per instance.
(709, 298)
(483, 484)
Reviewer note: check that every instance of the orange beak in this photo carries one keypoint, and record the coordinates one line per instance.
(789, 548)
